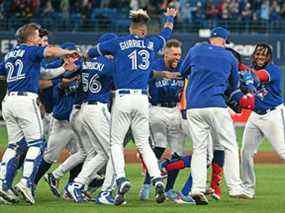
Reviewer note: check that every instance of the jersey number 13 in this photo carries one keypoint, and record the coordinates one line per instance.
(139, 59)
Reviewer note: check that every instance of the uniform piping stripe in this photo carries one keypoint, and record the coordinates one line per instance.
(163, 39)
(98, 49)
(38, 118)
(283, 123)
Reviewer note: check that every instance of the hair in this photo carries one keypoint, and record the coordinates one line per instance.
(173, 43)
(43, 32)
(235, 53)
(264, 49)
(139, 17)
(24, 32)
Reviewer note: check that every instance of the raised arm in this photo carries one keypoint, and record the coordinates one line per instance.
(51, 51)
(166, 32)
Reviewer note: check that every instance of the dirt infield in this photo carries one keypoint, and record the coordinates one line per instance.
(131, 157)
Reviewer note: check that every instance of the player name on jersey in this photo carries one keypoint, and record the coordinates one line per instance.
(132, 43)
(167, 82)
(93, 65)
(14, 54)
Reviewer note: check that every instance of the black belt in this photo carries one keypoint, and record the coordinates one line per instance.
(92, 102)
(167, 104)
(121, 92)
(263, 112)
(77, 106)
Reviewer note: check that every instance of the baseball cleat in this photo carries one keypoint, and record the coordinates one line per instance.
(26, 192)
(8, 196)
(173, 196)
(145, 192)
(123, 187)
(66, 195)
(75, 191)
(3, 201)
(105, 198)
(53, 184)
(200, 199)
(159, 190)
(187, 199)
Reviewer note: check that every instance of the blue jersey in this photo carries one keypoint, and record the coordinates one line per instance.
(63, 102)
(2, 69)
(46, 95)
(164, 90)
(268, 94)
(52, 64)
(97, 79)
(210, 70)
(133, 57)
(22, 68)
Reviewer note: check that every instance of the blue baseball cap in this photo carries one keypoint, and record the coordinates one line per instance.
(107, 36)
(221, 33)
(68, 46)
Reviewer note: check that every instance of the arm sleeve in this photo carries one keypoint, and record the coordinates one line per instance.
(161, 38)
(234, 84)
(185, 68)
(47, 74)
(53, 64)
(104, 48)
(92, 52)
(2, 69)
(36, 53)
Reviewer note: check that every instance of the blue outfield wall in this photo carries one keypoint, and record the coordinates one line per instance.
(243, 43)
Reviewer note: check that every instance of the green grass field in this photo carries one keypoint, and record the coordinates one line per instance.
(265, 146)
(270, 198)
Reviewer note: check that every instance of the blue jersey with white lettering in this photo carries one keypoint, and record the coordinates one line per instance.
(164, 90)
(133, 57)
(97, 79)
(22, 66)
(268, 94)
(210, 70)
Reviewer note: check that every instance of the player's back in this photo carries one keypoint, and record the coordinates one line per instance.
(22, 65)
(133, 59)
(209, 78)
(97, 79)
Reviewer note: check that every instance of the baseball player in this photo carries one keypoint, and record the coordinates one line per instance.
(20, 110)
(210, 69)
(165, 118)
(60, 134)
(267, 118)
(133, 55)
(97, 83)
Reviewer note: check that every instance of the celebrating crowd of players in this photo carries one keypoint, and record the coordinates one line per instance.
(88, 103)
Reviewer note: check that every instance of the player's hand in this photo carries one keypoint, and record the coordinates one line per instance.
(171, 75)
(171, 12)
(70, 66)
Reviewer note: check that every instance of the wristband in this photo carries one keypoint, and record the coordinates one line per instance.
(170, 19)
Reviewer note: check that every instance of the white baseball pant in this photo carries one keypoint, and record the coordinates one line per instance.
(166, 128)
(215, 123)
(131, 110)
(270, 126)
